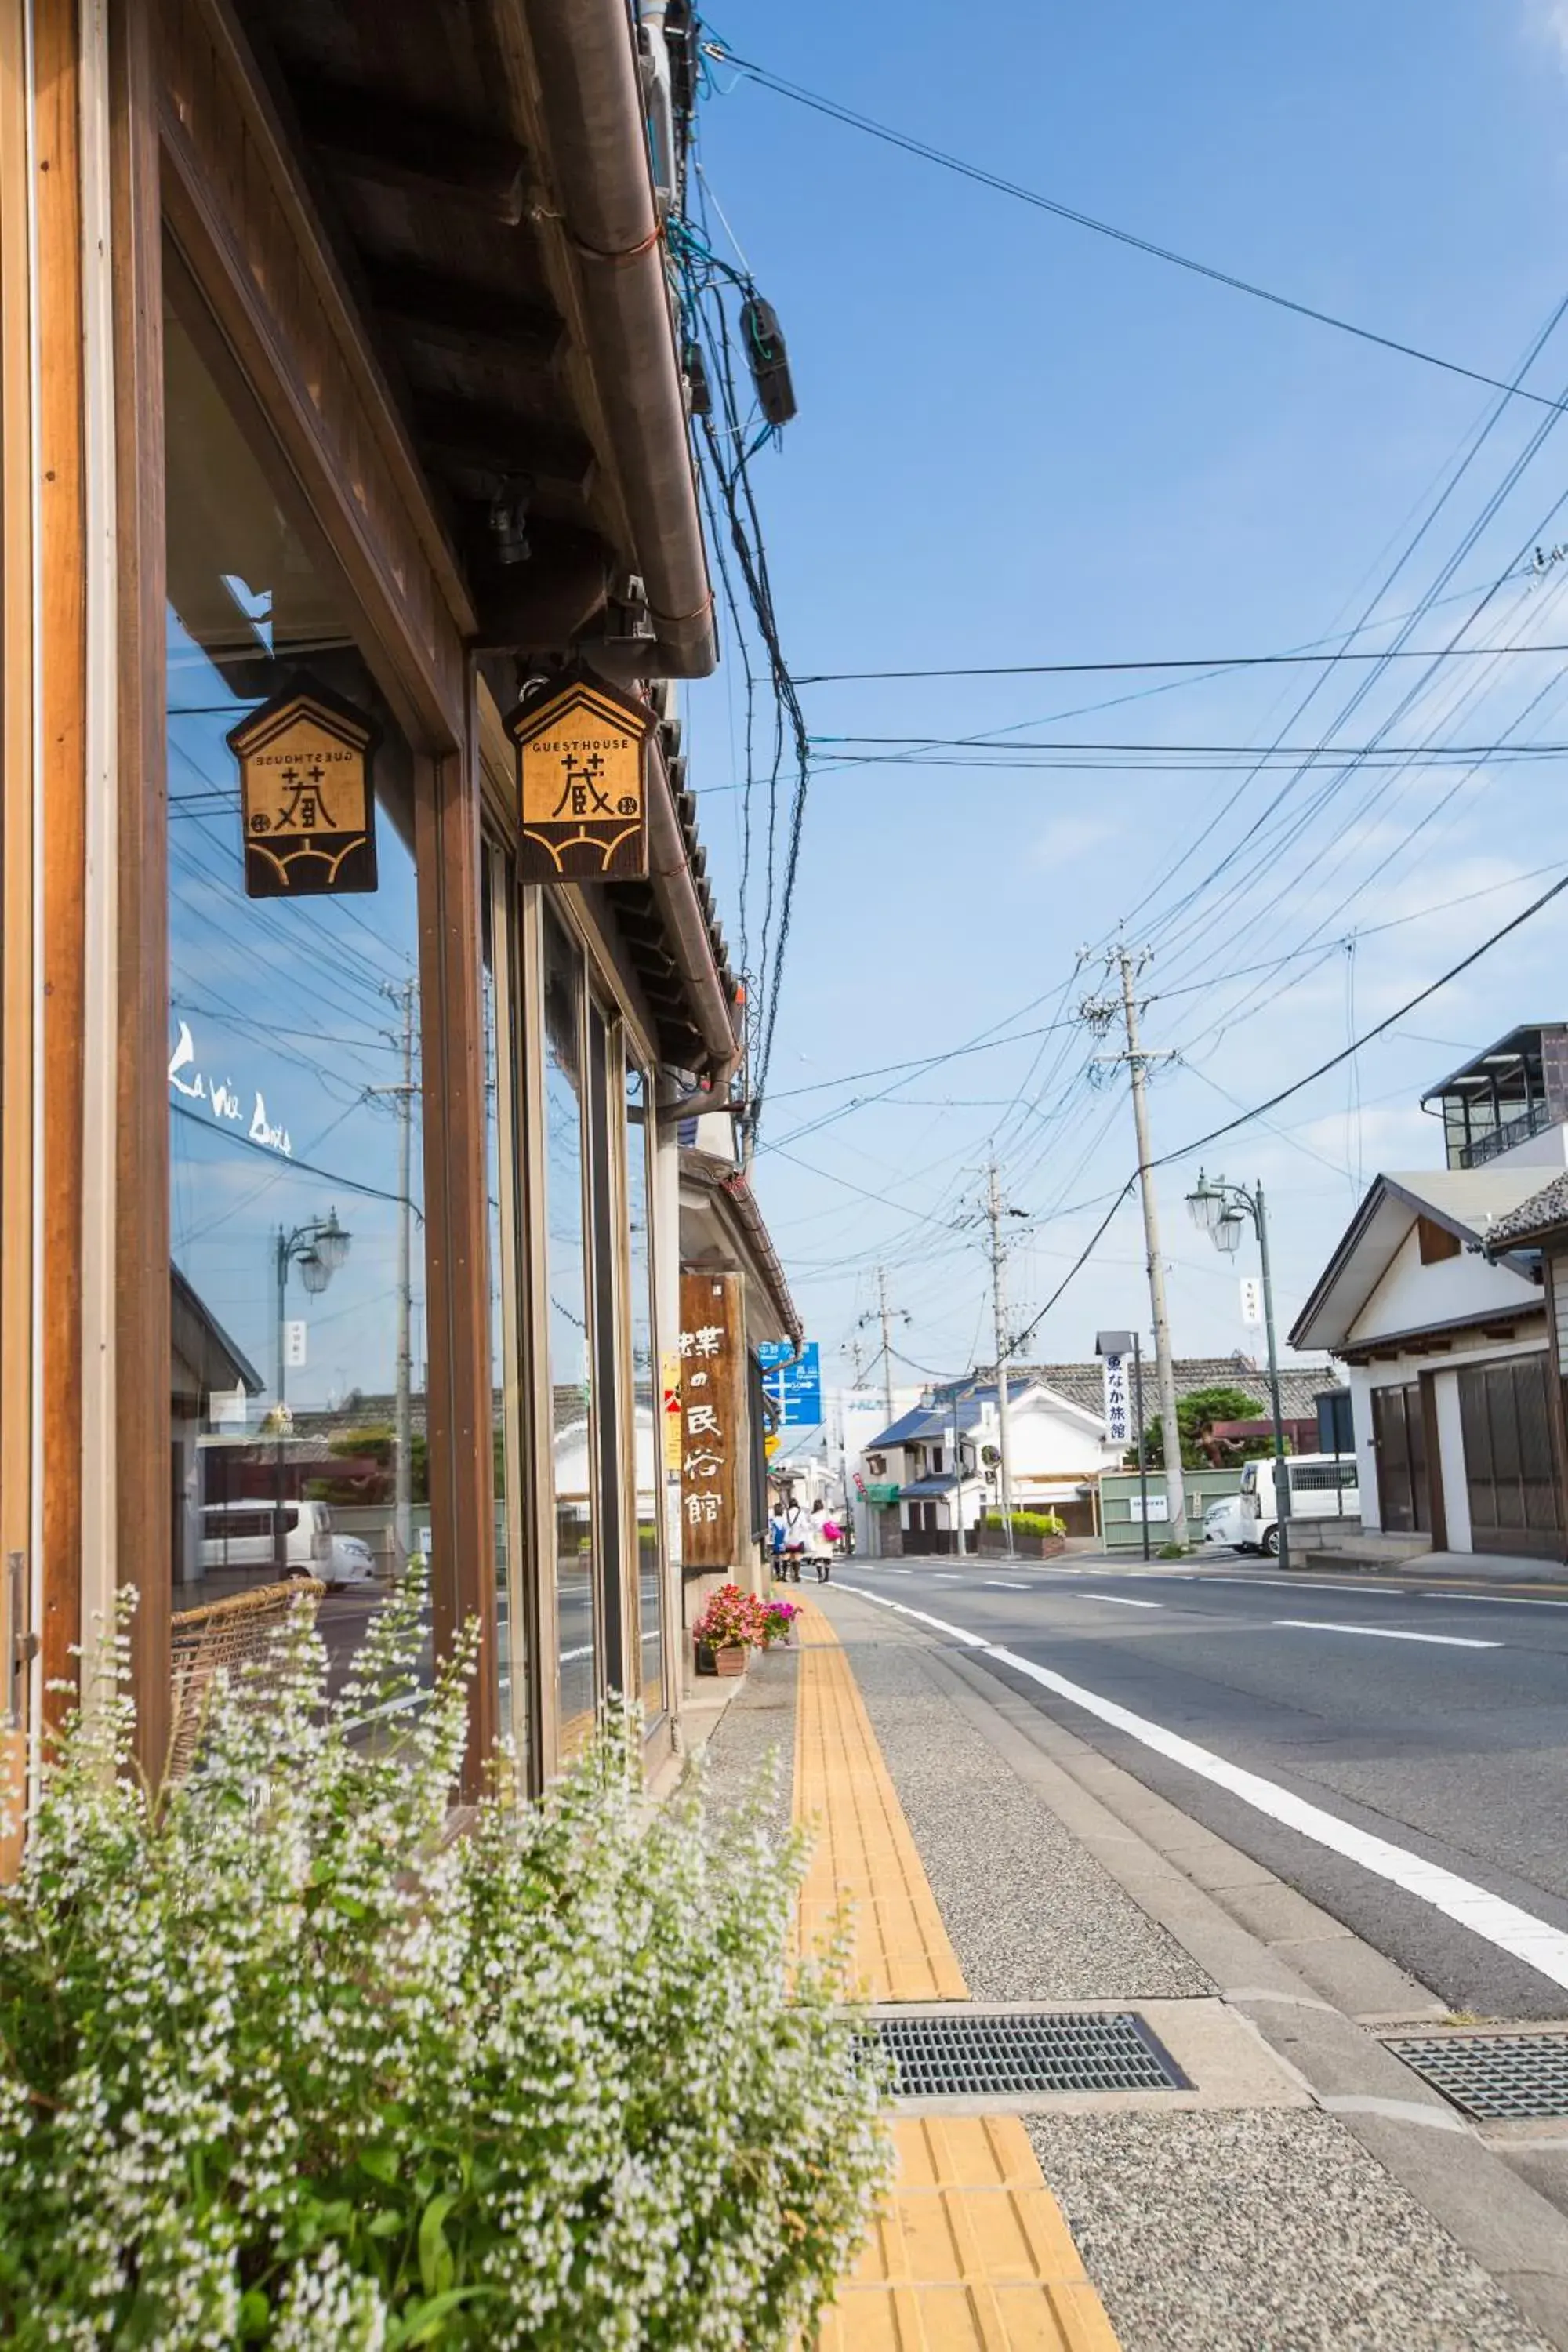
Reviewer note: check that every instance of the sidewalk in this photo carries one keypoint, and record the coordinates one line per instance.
(1288, 2201)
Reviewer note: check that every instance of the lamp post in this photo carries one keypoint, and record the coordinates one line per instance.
(319, 1248)
(1221, 1210)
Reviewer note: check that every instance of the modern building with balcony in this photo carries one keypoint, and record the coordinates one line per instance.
(1511, 1097)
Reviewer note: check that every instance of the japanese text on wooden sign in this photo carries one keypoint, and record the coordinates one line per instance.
(580, 750)
(714, 1452)
(306, 794)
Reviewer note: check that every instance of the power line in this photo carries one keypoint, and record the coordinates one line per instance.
(1321, 751)
(1259, 1110)
(1096, 669)
(909, 145)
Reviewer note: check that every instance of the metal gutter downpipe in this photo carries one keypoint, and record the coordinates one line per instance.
(585, 56)
(670, 873)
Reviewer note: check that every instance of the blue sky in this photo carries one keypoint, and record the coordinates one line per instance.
(1018, 442)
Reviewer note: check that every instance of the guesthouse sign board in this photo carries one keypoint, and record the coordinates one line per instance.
(307, 795)
(581, 783)
(715, 1455)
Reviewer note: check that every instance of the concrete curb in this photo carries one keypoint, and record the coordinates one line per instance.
(1309, 1987)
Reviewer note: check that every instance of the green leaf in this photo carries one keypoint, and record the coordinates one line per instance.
(255, 2317)
(422, 2322)
(435, 2263)
(380, 2163)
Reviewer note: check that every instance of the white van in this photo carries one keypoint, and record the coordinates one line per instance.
(243, 1535)
(1322, 1486)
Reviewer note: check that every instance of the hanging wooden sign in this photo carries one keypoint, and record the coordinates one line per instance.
(307, 795)
(581, 750)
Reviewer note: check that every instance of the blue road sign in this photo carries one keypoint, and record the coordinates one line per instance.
(794, 1382)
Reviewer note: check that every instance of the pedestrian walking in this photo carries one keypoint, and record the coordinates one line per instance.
(776, 1538)
(797, 1531)
(819, 1544)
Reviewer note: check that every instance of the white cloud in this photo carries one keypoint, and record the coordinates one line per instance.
(1066, 838)
(1548, 21)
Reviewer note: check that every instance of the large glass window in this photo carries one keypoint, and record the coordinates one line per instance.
(573, 1422)
(647, 1467)
(298, 1428)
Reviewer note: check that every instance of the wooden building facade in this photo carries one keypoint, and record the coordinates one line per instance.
(338, 373)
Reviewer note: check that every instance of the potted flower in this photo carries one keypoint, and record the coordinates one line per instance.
(729, 1628)
(778, 1617)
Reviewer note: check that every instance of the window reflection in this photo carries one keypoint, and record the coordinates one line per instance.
(298, 1421)
(500, 1099)
(571, 1374)
(644, 1395)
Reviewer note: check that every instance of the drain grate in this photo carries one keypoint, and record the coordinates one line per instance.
(1493, 2076)
(1042, 2050)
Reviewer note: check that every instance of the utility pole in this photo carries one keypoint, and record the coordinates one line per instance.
(883, 1314)
(996, 1212)
(1100, 1013)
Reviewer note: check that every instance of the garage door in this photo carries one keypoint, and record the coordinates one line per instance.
(1510, 1466)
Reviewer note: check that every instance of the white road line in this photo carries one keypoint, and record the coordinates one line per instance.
(1384, 1633)
(1300, 1584)
(1496, 1599)
(1121, 1600)
(945, 1575)
(1502, 1924)
(585, 1652)
(1004, 1584)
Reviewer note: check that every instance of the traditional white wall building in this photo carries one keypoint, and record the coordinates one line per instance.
(1058, 1448)
(1434, 1303)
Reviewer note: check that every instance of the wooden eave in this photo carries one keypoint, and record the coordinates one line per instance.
(416, 132)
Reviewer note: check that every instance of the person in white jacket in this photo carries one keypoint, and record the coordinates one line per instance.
(819, 1545)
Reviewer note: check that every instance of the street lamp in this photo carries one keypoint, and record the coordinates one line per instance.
(1221, 1210)
(319, 1248)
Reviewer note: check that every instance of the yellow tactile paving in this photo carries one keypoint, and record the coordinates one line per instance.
(864, 1853)
(969, 2252)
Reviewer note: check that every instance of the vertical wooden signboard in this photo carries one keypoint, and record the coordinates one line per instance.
(715, 1450)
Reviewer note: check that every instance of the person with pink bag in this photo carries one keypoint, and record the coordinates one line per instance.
(825, 1534)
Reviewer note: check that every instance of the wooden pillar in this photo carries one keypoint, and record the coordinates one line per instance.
(62, 672)
(143, 1507)
(458, 1390)
(18, 1024)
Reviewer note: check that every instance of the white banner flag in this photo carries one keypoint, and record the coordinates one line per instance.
(1251, 1300)
(1117, 1418)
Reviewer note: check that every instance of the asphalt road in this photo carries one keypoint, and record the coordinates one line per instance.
(1432, 1719)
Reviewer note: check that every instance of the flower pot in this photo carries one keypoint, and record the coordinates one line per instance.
(730, 1660)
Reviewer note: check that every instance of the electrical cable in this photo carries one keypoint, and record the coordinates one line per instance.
(1218, 663)
(818, 104)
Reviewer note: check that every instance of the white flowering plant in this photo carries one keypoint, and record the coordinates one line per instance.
(283, 2063)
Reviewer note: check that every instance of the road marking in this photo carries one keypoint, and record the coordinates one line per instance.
(1004, 1584)
(1384, 1633)
(1496, 1600)
(585, 1652)
(1300, 1584)
(945, 1575)
(1121, 1600)
(1503, 1924)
